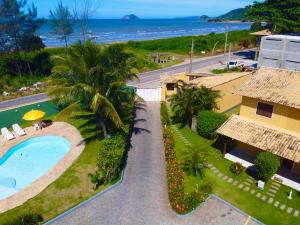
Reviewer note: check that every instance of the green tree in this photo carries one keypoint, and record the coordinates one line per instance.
(266, 165)
(15, 26)
(257, 26)
(85, 79)
(281, 16)
(30, 42)
(62, 22)
(190, 100)
(15, 23)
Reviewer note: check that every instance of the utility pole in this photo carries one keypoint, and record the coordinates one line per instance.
(229, 54)
(191, 57)
(226, 39)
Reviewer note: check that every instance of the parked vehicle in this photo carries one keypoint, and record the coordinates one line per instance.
(234, 63)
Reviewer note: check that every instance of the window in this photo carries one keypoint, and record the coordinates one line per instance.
(265, 110)
(170, 87)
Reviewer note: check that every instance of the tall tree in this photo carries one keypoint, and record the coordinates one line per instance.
(84, 78)
(16, 23)
(83, 10)
(282, 16)
(62, 22)
(190, 100)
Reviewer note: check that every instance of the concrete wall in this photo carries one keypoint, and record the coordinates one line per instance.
(280, 51)
(283, 117)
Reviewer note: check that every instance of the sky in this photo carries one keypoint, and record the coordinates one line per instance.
(114, 9)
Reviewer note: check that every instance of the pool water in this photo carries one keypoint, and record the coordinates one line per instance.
(29, 160)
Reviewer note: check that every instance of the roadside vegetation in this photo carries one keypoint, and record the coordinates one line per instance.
(226, 70)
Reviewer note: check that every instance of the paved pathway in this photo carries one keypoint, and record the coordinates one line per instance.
(142, 199)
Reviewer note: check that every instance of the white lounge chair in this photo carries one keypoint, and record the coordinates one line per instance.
(18, 130)
(6, 134)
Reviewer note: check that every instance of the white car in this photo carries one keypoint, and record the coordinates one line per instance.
(234, 63)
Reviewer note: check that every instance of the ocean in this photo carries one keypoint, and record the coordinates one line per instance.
(114, 30)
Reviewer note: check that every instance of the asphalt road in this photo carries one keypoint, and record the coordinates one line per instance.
(142, 198)
(151, 78)
(23, 101)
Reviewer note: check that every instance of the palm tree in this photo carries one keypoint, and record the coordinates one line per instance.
(194, 162)
(190, 100)
(86, 78)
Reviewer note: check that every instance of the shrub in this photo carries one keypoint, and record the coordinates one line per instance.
(110, 162)
(208, 122)
(27, 219)
(266, 165)
(164, 114)
(206, 188)
(226, 70)
(236, 168)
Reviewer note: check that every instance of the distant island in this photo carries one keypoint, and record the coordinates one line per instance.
(234, 15)
(130, 17)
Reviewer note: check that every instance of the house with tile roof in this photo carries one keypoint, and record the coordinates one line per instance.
(269, 120)
(224, 83)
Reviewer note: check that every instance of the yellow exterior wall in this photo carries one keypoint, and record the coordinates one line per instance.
(283, 117)
(228, 100)
(166, 93)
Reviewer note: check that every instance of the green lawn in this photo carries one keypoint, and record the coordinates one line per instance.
(9, 117)
(241, 199)
(72, 187)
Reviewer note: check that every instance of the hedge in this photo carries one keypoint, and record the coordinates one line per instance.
(164, 114)
(208, 122)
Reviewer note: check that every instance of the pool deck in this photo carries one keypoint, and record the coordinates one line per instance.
(57, 129)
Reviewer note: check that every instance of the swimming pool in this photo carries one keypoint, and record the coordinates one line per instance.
(29, 160)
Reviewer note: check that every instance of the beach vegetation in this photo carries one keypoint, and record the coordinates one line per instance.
(182, 45)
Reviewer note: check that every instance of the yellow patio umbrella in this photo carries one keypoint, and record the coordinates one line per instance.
(34, 115)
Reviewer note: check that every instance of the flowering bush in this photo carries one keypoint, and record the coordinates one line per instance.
(174, 174)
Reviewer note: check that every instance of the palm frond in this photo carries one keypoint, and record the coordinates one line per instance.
(102, 103)
(66, 112)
